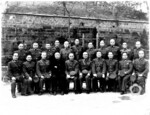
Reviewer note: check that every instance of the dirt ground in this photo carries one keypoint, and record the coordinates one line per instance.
(74, 104)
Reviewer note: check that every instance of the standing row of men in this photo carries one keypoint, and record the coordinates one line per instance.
(104, 69)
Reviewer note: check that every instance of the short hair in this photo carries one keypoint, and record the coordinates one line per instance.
(15, 53)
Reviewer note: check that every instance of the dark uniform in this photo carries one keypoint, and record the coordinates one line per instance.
(103, 51)
(112, 69)
(115, 50)
(140, 66)
(128, 51)
(125, 71)
(72, 65)
(49, 53)
(58, 75)
(28, 71)
(56, 49)
(22, 55)
(85, 69)
(98, 68)
(65, 52)
(77, 50)
(135, 53)
(43, 69)
(15, 70)
(36, 54)
(91, 52)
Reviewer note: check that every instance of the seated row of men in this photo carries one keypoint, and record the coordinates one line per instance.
(56, 73)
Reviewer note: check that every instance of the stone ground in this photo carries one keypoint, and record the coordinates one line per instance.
(99, 103)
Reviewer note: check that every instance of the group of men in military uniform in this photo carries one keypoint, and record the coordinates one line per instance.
(51, 70)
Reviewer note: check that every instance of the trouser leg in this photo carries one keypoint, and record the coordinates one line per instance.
(47, 84)
(24, 87)
(54, 84)
(13, 88)
(41, 84)
(81, 81)
(88, 83)
(30, 91)
(102, 84)
(94, 84)
(124, 82)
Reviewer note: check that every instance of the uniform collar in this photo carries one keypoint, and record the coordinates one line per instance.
(14, 60)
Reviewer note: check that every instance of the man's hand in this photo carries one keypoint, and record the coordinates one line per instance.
(95, 75)
(42, 76)
(103, 75)
(13, 78)
(80, 74)
(30, 78)
(107, 74)
(68, 76)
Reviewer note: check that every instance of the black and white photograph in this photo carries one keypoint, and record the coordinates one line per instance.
(74, 57)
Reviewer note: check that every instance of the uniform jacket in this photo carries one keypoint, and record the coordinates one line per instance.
(36, 54)
(77, 50)
(141, 66)
(135, 52)
(104, 52)
(29, 69)
(115, 50)
(22, 55)
(126, 66)
(91, 53)
(72, 66)
(98, 65)
(85, 64)
(49, 53)
(14, 68)
(43, 67)
(65, 52)
(112, 66)
(128, 51)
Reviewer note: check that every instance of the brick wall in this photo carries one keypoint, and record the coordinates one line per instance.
(43, 28)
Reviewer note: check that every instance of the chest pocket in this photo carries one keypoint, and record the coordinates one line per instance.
(71, 66)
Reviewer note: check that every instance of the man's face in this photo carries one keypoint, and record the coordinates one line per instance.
(35, 45)
(77, 42)
(57, 43)
(98, 54)
(124, 45)
(47, 46)
(110, 55)
(57, 55)
(90, 45)
(66, 44)
(124, 56)
(102, 43)
(112, 42)
(15, 56)
(141, 54)
(20, 47)
(138, 44)
(43, 55)
(85, 55)
(29, 58)
(71, 56)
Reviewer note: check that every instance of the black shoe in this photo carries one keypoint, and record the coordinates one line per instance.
(122, 92)
(24, 94)
(40, 93)
(87, 92)
(62, 93)
(54, 93)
